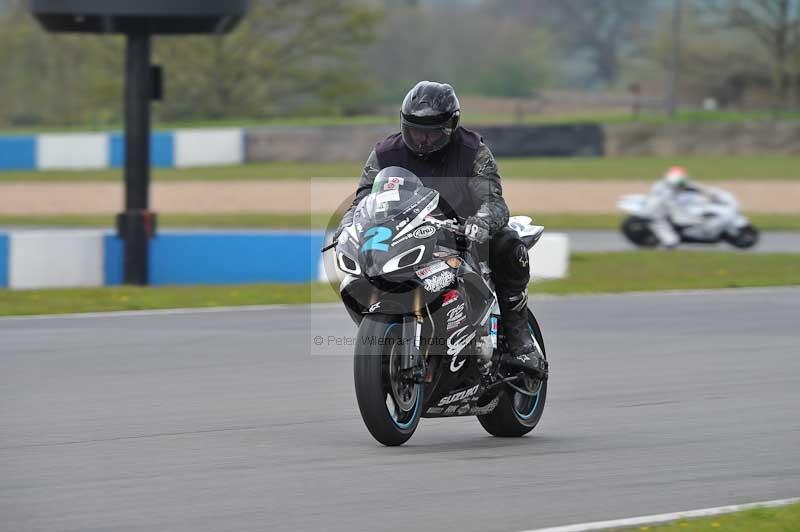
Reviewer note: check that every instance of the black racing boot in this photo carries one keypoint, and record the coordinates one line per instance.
(524, 354)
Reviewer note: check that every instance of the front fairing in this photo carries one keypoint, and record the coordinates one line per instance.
(389, 238)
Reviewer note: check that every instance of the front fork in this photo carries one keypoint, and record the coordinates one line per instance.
(412, 363)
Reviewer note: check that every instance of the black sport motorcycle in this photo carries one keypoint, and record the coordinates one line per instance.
(430, 335)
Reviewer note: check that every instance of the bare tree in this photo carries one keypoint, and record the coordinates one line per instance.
(602, 30)
(776, 25)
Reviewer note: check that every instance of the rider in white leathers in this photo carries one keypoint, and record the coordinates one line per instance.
(678, 200)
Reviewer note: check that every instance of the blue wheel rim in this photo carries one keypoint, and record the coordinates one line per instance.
(538, 396)
(392, 415)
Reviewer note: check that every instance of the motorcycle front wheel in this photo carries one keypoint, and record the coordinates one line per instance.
(517, 414)
(637, 231)
(390, 405)
(746, 238)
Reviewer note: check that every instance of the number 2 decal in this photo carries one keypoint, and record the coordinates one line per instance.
(376, 237)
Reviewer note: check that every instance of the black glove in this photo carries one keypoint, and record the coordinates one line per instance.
(477, 229)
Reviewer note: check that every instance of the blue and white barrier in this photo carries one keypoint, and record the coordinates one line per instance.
(55, 258)
(73, 151)
(549, 259)
(209, 147)
(72, 258)
(67, 258)
(17, 153)
(162, 149)
(84, 151)
(224, 257)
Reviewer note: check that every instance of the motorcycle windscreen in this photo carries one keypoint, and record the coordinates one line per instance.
(392, 229)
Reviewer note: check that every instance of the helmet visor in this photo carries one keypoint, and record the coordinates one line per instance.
(425, 140)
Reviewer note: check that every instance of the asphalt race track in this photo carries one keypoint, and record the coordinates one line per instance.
(602, 241)
(224, 421)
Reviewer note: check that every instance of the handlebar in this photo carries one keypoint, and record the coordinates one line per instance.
(448, 225)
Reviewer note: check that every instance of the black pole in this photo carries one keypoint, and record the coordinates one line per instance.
(137, 224)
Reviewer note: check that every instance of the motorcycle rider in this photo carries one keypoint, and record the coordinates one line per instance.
(676, 199)
(455, 161)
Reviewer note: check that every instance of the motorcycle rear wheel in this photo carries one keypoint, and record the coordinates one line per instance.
(638, 232)
(390, 408)
(516, 414)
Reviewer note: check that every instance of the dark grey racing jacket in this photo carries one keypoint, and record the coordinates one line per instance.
(484, 192)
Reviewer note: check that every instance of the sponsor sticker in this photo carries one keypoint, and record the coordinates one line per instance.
(429, 270)
(426, 231)
(449, 297)
(439, 281)
(455, 316)
(453, 324)
(400, 240)
(459, 396)
(393, 183)
(456, 343)
(391, 195)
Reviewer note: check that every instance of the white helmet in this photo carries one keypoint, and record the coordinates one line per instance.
(677, 176)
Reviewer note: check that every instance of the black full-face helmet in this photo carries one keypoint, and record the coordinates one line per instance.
(429, 115)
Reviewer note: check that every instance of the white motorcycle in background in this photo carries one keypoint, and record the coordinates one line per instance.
(693, 218)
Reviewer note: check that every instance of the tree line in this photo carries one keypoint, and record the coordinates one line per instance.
(343, 57)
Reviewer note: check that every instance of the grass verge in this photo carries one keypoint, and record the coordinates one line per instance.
(782, 519)
(664, 270)
(578, 168)
(589, 273)
(68, 300)
(254, 220)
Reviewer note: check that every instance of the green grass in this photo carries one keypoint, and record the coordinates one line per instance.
(783, 519)
(579, 168)
(665, 270)
(59, 301)
(589, 273)
(253, 220)
(471, 119)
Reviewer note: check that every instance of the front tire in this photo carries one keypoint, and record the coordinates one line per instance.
(746, 238)
(516, 414)
(637, 231)
(390, 407)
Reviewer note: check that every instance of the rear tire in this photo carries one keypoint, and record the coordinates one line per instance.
(746, 238)
(385, 418)
(517, 414)
(637, 231)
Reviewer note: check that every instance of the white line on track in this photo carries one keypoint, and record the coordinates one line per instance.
(665, 518)
(262, 308)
